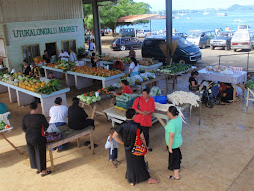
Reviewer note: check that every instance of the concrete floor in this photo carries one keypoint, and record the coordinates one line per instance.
(217, 155)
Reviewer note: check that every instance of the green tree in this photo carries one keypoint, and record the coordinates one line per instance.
(109, 14)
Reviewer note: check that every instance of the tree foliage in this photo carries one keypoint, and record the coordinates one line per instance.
(109, 14)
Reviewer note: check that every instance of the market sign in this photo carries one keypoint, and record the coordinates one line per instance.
(38, 32)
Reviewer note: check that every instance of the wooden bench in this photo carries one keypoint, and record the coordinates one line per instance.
(67, 136)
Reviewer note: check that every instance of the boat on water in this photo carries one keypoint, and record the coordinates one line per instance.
(206, 13)
(237, 20)
(221, 14)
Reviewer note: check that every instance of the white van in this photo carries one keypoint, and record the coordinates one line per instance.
(243, 39)
(142, 33)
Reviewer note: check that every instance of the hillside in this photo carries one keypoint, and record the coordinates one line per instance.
(237, 7)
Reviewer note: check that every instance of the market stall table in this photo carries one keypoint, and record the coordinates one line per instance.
(237, 78)
(154, 81)
(25, 97)
(118, 115)
(80, 80)
(69, 135)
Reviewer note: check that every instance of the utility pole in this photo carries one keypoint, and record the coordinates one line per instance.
(168, 28)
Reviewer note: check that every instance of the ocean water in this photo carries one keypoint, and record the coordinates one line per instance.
(198, 21)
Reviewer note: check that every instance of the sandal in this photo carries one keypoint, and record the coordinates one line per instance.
(37, 172)
(150, 149)
(153, 181)
(47, 173)
(173, 178)
(114, 165)
(117, 162)
(95, 145)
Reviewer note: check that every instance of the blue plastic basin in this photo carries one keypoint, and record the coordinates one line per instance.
(161, 99)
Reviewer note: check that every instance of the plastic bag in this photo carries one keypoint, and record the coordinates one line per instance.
(155, 91)
(151, 75)
(137, 78)
(144, 76)
(53, 129)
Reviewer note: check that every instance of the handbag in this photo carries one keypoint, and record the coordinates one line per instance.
(139, 149)
(53, 137)
(108, 144)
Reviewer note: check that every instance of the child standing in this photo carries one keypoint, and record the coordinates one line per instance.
(112, 147)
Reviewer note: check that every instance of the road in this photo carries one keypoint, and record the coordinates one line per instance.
(209, 57)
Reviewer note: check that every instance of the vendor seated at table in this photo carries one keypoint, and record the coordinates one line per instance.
(94, 59)
(26, 70)
(77, 117)
(193, 84)
(227, 95)
(134, 67)
(118, 65)
(126, 88)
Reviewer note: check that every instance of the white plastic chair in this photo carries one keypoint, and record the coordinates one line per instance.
(4, 117)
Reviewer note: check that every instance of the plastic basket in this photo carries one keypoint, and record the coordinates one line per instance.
(125, 105)
(161, 99)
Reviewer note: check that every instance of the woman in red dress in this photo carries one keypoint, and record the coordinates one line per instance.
(144, 106)
(126, 88)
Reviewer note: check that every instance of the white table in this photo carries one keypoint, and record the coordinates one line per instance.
(80, 80)
(237, 78)
(25, 97)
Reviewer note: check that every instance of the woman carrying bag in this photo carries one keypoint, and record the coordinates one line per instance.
(136, 166)
(34, 125)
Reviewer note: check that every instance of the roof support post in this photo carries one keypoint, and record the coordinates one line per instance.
(168, 28)
(97, 27)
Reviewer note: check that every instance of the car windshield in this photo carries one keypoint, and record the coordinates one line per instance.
(223, 35)
(194, 35)
(183, 43)
(241, 36)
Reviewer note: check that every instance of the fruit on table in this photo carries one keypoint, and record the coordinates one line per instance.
(174, 68)
(89, 99)
(95, 71)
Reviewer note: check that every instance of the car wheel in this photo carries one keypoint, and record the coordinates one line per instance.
(234, 50)
(212, 47)
(203, 46)
(252, 48)
(122, 48)
(209, 104)
(181, 61)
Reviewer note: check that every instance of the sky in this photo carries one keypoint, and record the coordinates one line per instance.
(195, 4)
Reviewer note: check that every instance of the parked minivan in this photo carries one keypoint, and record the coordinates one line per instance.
(128, 32)
(142, 33)
(184, 53)
(201, 38)
(243, 39)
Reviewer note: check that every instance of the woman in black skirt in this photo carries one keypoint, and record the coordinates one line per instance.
(34, 125)
(174, 140)
(136, 166)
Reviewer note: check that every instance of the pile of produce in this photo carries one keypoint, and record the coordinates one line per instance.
(4, 126)
(126, 60)
(126, 97)
(102, 91)
(95, 71)
(174, 68)
(63, 65)
(32, 84)
(182, 97)
(217, 68)
(155, 91)
(88, 99)
(250, 84)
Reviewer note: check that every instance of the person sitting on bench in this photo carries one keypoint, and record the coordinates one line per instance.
(77, 117)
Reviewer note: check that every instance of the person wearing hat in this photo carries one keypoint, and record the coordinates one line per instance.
(58, 114)
(193, 84)
(64, 55)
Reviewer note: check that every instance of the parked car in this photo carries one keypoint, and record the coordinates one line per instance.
(185, 52)
(243, 39)
(201, 38)
(142, 33)
(128, 32)
(222, 40)
(243, 27)
(184, 35)
(126, 43)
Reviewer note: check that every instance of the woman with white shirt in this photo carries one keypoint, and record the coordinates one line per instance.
(134, 67)
(58, 114)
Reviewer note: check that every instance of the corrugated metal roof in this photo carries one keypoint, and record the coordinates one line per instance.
(135, 18)
(90, 1)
